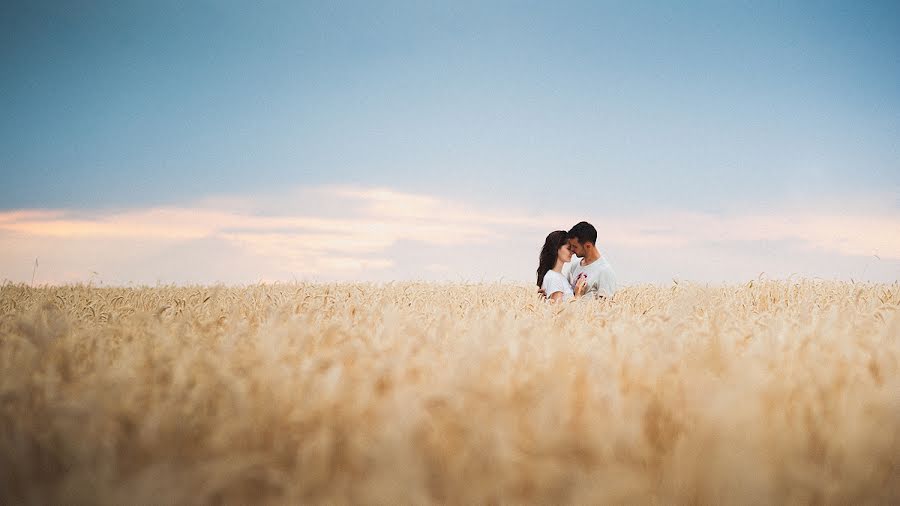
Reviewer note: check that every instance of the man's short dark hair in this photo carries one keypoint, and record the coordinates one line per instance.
(584, 232)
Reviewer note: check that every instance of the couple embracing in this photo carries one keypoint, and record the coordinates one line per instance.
(571, 267)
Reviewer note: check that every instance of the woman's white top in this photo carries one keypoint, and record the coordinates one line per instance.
(556, 282)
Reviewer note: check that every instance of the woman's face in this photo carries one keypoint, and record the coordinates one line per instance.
(564, 253)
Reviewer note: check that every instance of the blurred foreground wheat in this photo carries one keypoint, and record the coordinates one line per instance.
(766, 393)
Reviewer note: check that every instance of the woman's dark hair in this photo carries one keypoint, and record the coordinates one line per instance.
(549, 253)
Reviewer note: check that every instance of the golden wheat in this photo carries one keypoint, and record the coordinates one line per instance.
(770, 392)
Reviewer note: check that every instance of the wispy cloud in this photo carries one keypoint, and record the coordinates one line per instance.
(345, 232)
(845, 234)
(324, 232)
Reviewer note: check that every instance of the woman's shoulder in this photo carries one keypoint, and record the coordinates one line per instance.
(553, 275)
(555, 281)
(548, 278)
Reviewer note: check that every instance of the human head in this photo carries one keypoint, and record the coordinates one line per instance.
(556, 247)
(582, 238)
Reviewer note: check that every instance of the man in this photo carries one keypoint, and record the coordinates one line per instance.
(587, 262)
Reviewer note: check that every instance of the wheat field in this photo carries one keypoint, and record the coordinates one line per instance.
(771, 392)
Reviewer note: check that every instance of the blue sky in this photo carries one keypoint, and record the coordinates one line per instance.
(577, 110)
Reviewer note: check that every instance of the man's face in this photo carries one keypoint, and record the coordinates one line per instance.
(576, 247)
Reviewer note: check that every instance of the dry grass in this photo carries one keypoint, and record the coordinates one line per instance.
(766, 393)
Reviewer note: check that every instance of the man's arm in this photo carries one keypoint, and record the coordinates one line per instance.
(606, 283)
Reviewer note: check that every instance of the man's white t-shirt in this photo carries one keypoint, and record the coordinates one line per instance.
(601, 280)
(556, 282)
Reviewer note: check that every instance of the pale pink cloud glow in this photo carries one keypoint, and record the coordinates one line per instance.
(353, 233)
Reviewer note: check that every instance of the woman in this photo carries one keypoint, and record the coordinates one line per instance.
(549, 273)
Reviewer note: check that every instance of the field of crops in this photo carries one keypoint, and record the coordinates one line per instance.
(765, 393)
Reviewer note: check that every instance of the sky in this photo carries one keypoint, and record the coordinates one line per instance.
(237, 142)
